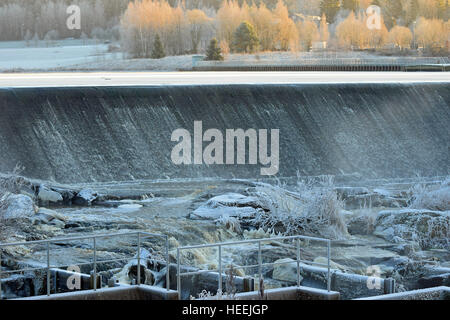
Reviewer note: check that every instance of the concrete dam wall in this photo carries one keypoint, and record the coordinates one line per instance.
(124, 133)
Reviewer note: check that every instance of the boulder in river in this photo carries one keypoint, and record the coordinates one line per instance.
(207, 213)
(47, 195)
(228, 205)
(18, 206)
(234, 200)
(287, 271)
(85, 197)
(361, 224)
(47, 216)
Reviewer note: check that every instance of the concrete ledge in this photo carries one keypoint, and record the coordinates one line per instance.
(142, 292)
(436, 293)
(350, 286)
(209, 281)
(291, 293)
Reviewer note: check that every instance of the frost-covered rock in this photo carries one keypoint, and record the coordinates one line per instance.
(85, 197)
(234, 200)
(333, 265)
(208, 213)
(361, 197)
(18, 206)
(228, 205)
(47, 195)
(67, 194)
(47, 216)
(286, 271)
(129, 272)
(361, 224)
(345, 192)
(427, 227)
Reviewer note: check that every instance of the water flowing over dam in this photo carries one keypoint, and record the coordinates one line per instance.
(124, 133)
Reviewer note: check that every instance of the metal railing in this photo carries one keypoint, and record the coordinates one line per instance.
(260, 265)
(326, 61)
(140, 236)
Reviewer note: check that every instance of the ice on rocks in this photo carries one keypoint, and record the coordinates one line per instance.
(47, 195)
(207, 213)
(85, 197)
(18, 206)
(228, 205)
(287, 271)
(428, 227)
(233, 200)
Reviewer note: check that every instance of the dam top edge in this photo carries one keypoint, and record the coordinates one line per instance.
(166, 79)
(229, 85)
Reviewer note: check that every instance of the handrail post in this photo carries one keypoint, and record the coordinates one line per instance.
(298, 262)
(48, 268)
(178, 274)
(139, 260)
(329, 266)
(220, 271)
(1, 274)
(167, 264)
(95, 263)
(259, 262)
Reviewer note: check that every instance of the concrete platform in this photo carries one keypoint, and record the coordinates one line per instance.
(436, 293)
(289, 293)
(142, 292)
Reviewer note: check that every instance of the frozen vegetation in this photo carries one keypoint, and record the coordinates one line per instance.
(15, 207)
(426, 221)
(432, 197)
(312, 208)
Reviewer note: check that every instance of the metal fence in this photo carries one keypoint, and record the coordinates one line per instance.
(260, 265)
(333, 61)
(47, 245)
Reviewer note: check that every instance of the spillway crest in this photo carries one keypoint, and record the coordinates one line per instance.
(122, 133)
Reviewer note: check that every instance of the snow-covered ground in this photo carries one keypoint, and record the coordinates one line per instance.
(16, 55)
(92, 55)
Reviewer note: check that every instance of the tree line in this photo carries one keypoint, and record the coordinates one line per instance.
(187, 26)
(240, 27)
(40, 19)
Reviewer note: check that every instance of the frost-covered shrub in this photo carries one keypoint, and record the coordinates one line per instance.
(313, 208)
(434, 197)
(9, 184)
(427, 228)
(230, 223)
(437, 235)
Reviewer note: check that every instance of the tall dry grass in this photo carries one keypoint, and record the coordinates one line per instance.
(312, 208)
